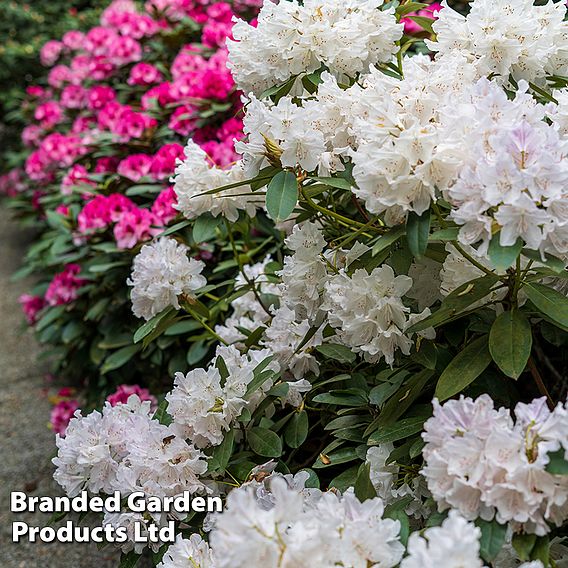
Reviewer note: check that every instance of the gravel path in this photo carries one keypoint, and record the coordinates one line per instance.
(26, 445)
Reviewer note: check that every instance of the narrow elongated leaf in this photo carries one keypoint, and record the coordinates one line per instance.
(510, 342)
(363, 486)
(464, 368)
(417, 232)
(151, 325)
(282, 196)
(222, 453)
(503, 257)
(264, 442)
(337, 352)
(492, 538)
(551, 303)
(397, 431)
(119, 358)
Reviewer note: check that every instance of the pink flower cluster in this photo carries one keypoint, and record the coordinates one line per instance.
(65, 286)
(32, 306)
(12, 183)
(61, 414)
(131, 224)
(124, 391)
(158, 167)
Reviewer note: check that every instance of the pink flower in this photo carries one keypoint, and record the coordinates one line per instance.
(64, 288)
(123, 392)
(99, 40)
(36, 165)
(73, 97)
(100, 68)
(11, 183)
(48, 114)
(135, 167)
(183, 120)
(59, 75)
(81, 68)
(62, 209)
(187, 61)
(108, 164)
(31, 305)
(124, 50)
(164, 162)
(100, 96)
(163, 207)
(134, 227)
(159, 95)
(411, 27)
(61, 415)
(215, 33)
(83, 124)
(31, 135)
(35, 91)
(50, 52)
(222, 153)
(144, 74)
(101, 211)
(73, 40)
(76, 176)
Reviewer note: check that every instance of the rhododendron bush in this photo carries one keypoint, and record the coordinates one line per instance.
(341, 309)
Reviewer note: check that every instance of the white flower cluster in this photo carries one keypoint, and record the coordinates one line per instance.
(296, 528)
(161, 273)
(454, 544)
(402, 158)
(291, 38)
(248, 312)
(192, 552)
(312, 135)
(124, 449)
(368, 313)
(483, 464)
(196, 175)
(204, 403)
(514, 178)
(506, 37)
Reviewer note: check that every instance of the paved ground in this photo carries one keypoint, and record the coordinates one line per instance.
(26, 445)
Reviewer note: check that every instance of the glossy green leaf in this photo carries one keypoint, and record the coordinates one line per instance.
(337, 352)
(264, 442)
(502, 257)
(282, 196)
(549, 302)
(417, 232)
(466, 366)
(510, 342)
(296, 431)
(493, 536)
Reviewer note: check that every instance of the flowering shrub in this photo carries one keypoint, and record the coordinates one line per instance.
(373, 273)
(103, 142)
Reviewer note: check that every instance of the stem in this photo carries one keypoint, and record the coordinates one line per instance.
(476, 263)
(205, 326)
(242, 270)
(540, 383)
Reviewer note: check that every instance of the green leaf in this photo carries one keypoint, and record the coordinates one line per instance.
(549, 302)
(466, 366)
(400, 516)
(510, 342)
(424, 22)
(555, 264)
(337, 182)
(282, 196)
(264, 442)
(492, 539)
(449, 234)
(523, 545)
(557, 464)
(119, 358)
(296, 431)
(222, 453)
(363, 486)
(337, 352)
(417, 232)
(151, 324)
(161, 414)
(338, 457)
(397, 431)
(541, 550)
(205, 227)
(503, 257)
(129, 560)
(49, 317)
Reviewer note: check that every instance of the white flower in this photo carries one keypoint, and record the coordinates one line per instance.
(505, 37)
(295, 527)
(204, 405)
(195, 176)
(455, 544)
(480, 463)
(368, 313)
(291, 38)
(161, 273)
(188, 553)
